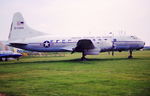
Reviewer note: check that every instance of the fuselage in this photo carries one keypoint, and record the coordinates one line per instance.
(64, 44)
(24, 37)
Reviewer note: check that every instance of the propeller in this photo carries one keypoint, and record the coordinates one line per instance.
(112, 51)
(113, 47)
(73, 50)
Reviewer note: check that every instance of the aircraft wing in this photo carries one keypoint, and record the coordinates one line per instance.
(3, 55)
(10, 55)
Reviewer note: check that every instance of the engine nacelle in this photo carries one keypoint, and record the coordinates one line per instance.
(94, 51)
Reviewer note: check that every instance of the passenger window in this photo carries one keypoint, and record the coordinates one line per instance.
(51, 41)
(115, 40)
(69, 40)
(63, 41)
(57, 41)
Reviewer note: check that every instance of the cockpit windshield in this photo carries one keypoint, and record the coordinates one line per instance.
(134, 37)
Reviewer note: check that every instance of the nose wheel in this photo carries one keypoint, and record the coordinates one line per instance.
(130, 56)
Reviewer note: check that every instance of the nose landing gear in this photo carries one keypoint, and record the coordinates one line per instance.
(130, 56)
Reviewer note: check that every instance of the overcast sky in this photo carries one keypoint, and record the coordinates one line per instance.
(70, 17)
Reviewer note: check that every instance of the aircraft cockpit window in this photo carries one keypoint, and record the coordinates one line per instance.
(134, 37)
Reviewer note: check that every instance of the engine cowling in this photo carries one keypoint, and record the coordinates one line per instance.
(87, 47)
(94, 51)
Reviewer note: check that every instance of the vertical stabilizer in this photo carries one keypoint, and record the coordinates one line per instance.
(19, 30)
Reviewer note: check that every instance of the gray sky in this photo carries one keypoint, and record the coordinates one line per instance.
(69, 17)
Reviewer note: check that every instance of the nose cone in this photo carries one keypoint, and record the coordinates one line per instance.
(142, 43)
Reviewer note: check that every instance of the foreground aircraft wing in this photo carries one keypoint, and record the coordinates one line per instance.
(10, 55)
(14, 55)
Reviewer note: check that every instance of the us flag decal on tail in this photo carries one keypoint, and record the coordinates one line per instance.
(20, 23)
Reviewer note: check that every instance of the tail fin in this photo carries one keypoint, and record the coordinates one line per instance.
(19, 31)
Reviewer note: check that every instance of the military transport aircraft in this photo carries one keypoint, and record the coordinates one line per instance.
(22, 36)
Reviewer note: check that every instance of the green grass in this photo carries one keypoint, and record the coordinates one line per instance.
(101, 75)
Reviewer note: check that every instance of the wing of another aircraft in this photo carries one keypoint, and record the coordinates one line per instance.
(5, 55)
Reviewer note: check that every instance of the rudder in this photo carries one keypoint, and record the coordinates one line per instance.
(19, 31)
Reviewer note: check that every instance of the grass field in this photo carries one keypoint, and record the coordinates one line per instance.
(101, 75)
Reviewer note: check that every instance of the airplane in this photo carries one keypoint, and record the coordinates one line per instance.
(24, 37)
(5, 55)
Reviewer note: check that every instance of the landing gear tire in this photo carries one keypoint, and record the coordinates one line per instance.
(130, 57)
(17, 59)
(83, 59)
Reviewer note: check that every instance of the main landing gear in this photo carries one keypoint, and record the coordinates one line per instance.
(83, 56)
(130, 56)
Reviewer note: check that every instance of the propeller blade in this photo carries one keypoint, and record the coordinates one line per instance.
(73, 50)
(113, 53)
(113, 49)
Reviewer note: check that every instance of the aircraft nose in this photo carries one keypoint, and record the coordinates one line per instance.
(142, 44)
